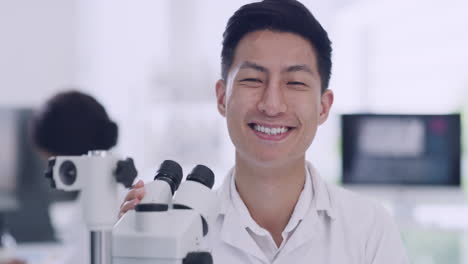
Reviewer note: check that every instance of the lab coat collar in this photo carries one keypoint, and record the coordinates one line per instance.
(321, 203)
(224, 193)
(235, 234)
(322, 197)
(321, 193)
(233, 231)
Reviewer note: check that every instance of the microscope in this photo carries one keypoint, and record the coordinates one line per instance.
(161, 230)
(96, 175)
(167, 230)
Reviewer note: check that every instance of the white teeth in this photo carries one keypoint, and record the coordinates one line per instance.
(271, 131)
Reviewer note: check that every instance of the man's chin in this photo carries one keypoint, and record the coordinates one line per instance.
(272, 161)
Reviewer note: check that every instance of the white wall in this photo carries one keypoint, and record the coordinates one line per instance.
(37, 49)
(402, 56)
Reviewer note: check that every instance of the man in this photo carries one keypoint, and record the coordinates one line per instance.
(276, 65)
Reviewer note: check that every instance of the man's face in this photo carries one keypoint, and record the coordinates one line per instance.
(271, 98)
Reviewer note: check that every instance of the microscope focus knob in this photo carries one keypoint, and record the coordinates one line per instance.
(49, 173)
(126, 172)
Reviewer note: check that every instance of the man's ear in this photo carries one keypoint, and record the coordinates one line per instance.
(326, 102)
(221, 96)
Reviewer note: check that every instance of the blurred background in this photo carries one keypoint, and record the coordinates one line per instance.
(154, 64)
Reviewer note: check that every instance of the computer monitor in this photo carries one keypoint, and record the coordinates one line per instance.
(409, 150)
(8, 166)
(25, 194)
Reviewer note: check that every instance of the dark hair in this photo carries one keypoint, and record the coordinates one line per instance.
(282, 16)
(72, 123)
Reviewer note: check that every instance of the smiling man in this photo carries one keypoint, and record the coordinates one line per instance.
(276, 66)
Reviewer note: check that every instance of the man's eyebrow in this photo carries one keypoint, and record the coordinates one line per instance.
(253, 65)
(301, 67)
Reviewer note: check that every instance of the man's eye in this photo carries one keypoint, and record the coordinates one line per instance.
(251, 80)
(297, 83)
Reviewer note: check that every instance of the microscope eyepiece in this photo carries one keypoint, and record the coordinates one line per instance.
(67, 172)
(203, 175)
(170, 172)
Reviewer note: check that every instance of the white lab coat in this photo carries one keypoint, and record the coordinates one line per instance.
(340, 228)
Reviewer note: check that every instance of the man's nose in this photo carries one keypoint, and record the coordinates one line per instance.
(273, 101)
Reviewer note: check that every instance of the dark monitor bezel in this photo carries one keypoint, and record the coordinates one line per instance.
(348, 143)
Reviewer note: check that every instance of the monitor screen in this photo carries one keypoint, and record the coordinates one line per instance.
(401, 149)
(8, 166)
(22, 180)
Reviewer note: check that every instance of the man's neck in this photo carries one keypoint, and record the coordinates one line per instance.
(270, 193)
